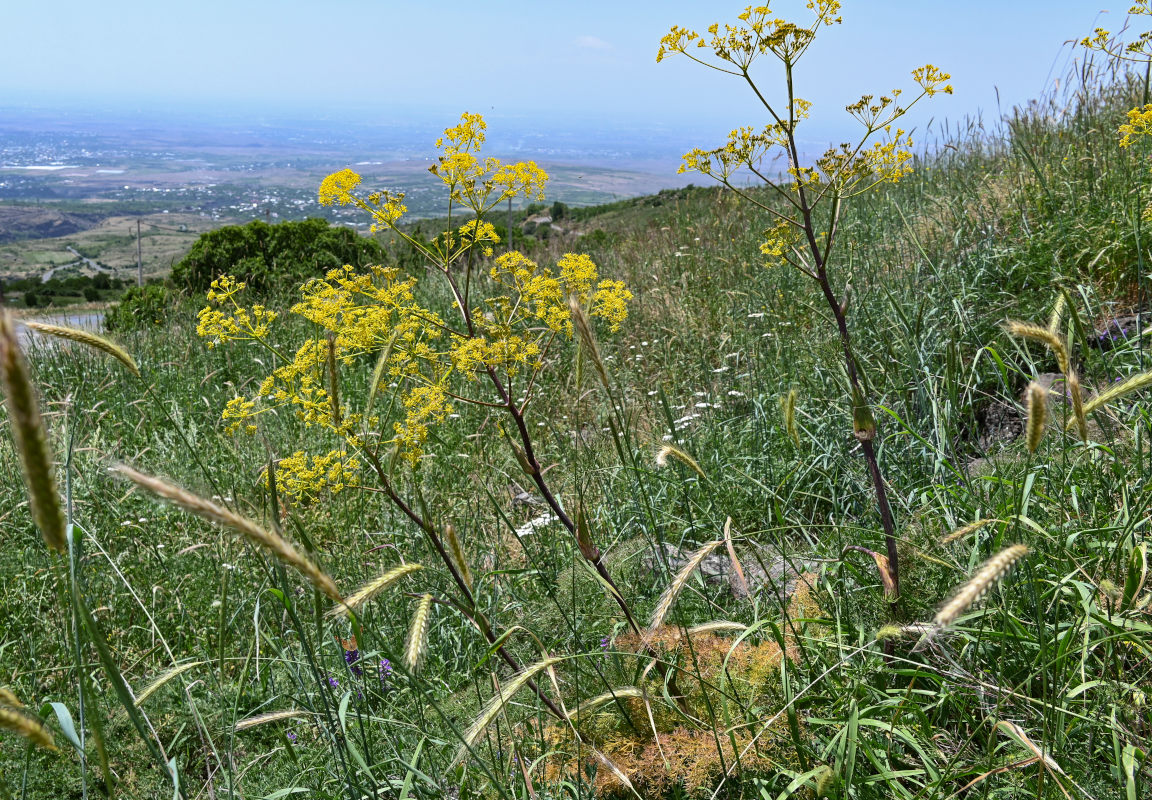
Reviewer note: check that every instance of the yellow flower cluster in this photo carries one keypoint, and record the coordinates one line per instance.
(240, 411)
(422, 406)
(510, 310)
(450, 245)
(1139, 124)
(745, 148)
(840, 172)
(542, 296)
(932, 80)
(1138, 51)
(875, 114)
(778, 241)
(237, 323)
(337, 188)
(477, 184)
(761, 33)
(304, 477)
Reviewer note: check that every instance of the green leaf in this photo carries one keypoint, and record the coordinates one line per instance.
(64, 718)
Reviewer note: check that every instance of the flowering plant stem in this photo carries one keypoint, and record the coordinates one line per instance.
(810, 191)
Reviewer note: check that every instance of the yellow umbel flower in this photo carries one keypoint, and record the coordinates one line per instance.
(423, 361)
(1139, 124)
(337, 188)
(305, 477)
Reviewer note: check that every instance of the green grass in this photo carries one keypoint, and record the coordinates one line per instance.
(992, 228)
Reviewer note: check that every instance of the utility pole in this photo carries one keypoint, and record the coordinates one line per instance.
(139, 259)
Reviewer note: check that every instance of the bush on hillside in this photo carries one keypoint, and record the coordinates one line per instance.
(140, 307)
(266, 256)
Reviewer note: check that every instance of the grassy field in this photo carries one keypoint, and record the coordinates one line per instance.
(165, 238)
(780, 667)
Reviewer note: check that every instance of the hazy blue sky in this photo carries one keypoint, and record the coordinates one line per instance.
(585, 60)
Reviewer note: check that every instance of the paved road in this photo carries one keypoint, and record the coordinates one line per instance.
(47, 276)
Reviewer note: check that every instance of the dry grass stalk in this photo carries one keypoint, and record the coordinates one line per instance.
(988, 576)
(90, 339)
(588, 347)
(26, 727)
(262, 538)
(1078, 405)
(717, 625)
(31, 441)
(616, 694)
(960, 533)
(418, 634)
(1026, 330)
(457, 550)
(615, 770)
(9, 699)
(1119, 390)
(740, 584)
(1015, 731)
(493, 706)
(158, 684)
(670, 451)
(369, 590)
(788, 406)
(882, 567)
(1037, 402)
(272, 716)
(678, 584)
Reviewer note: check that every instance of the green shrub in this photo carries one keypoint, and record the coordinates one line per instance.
(140, 307)
(264, 256)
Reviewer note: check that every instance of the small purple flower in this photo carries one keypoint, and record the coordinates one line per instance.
(604, 646)
(350, 658)
(385, 671)
(333, 683)
(291, 736)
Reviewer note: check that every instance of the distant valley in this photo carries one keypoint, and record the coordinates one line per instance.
(78, 182)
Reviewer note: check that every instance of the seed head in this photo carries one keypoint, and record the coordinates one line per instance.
(1037, 401)
(985, 578)
(31, 441)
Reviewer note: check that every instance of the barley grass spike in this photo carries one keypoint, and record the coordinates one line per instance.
(1026, 330)
(271, 716)
(622, 693)
(31, 441)
(90, 339)
(457, 550)
(1078, 405)
(418, 634)
(26, 727)
(374, 587)
(960, 533)
(678, 584)
(257, 535)
(493, 706)
(670, 451)
(160, 682)
(1133, 384)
